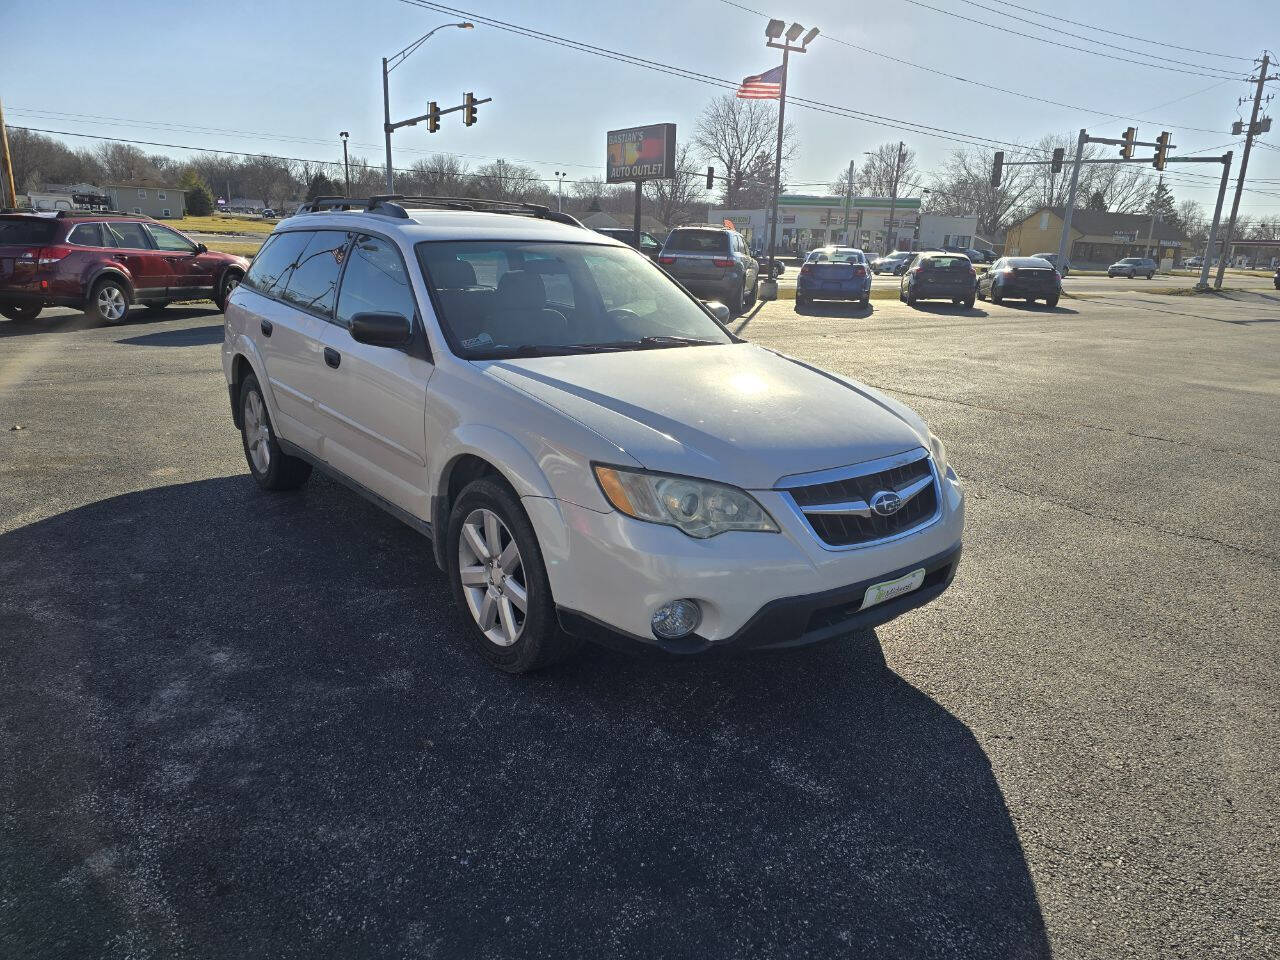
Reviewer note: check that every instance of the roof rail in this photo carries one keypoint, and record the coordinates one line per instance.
(96, 213)
(396, 205)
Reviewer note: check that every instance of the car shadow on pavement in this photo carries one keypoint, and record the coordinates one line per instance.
(850, 309)
(948, 309)
(246, 724)
(68, 322)
(181, 337)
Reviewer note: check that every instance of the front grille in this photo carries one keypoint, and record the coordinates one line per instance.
(849, 529)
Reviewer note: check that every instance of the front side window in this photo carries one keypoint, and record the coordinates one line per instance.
(129, 235)
(502, 298)
(376, 281)
(169, 240)
(313, 282)
(269, 273)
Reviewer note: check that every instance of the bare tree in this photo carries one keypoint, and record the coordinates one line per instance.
(1124, 188)
(270, 179)
(124, 161)
(502, 180)
(38, 160)
(440, 175)
(679, 199)
(587, 193)
(739, 135)
(886, 174)
(963, 188)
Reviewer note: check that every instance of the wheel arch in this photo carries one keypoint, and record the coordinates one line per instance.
(109, 272)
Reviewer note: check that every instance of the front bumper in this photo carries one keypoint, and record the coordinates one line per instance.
(609, 572)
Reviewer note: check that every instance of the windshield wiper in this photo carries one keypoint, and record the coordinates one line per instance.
(550, 350)
(674, 341)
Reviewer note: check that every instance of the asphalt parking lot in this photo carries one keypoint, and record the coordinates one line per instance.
(235, 724)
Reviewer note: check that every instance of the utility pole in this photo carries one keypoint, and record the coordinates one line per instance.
(1065, 242)
(772, 32)
(560, 191)
(8, 194)
(848, 202)
(346, 166)
(1244, 165)
(891, 240)
(1151, 229)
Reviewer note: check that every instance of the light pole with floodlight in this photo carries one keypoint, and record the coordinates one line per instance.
(772, 32)
(560, 191)
(346, 166)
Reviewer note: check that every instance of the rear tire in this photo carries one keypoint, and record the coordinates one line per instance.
(754, 296)
(1051, 302)
(801, 302)
(272, 468)
(1150, 275)
(108, 302)
(19, 311)
(968, 303)
(516, 641)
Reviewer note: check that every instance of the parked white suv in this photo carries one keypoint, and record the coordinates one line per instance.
(592, 453)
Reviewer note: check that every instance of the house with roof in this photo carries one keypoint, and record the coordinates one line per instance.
(153, 198)
(1097, 238)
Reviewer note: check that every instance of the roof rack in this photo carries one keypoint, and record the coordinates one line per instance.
(96, 213)
(395, 204)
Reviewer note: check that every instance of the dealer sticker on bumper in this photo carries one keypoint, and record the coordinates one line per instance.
(880, 592)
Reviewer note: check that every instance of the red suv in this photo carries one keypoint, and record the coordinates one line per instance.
(102, 262)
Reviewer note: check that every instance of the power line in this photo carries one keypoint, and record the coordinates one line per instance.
(1021, 95)
(1220, 75)
(1130, 36)
(894, 123)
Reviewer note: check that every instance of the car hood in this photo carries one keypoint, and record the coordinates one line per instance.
(736, 413)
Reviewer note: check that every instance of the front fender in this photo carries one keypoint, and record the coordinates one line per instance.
(507, 454)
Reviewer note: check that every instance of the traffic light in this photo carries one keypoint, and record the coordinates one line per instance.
(997, 168)
(1162, 150)
(1058, 154)
(468, 109)
(433, 117)
(711, 178)
(1130, 135)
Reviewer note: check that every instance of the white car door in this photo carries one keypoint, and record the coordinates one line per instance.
(378, 433)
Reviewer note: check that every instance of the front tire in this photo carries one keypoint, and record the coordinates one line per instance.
(230, 280)
(500, 583)
(272, 468)
(108, 302)
(20, 311)
(754, 296)
(996, 296)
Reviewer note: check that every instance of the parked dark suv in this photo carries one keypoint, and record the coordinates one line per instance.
(713, 263)
(101, 263)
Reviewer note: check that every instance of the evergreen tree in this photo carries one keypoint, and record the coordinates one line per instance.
(199, 197)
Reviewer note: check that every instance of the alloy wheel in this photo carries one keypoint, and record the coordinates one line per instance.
(257, 435)
(111, 304)
(492, 574)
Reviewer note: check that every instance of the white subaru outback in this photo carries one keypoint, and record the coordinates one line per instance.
(591, 452)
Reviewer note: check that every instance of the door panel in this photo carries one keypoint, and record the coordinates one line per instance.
(150, 271)
(294, 358)
(190, 273)
(378, 420)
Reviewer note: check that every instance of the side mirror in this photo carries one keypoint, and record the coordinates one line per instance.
(201, 248)
(718, 310)
(381, 329)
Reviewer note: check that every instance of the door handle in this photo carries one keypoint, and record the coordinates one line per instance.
(266, 328)
(332, 357)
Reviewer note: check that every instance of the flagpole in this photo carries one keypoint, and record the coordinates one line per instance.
(777, 165)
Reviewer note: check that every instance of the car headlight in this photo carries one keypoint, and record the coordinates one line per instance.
(697, 507)
(939, 452)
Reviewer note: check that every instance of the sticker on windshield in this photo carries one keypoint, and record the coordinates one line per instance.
(483, 340)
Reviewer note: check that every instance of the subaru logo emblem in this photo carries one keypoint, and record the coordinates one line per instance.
(886, 503)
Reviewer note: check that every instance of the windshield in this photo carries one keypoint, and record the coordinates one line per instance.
(504, 298)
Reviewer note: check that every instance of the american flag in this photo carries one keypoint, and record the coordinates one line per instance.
(763, 86)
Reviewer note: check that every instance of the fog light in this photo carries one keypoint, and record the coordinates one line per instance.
(676, 619)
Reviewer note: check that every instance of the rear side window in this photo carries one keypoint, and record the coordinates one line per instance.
(270, 271)
(375, 282)
(313, 283)
(21, 232)
(129, 235)
(700, 241)
(86, 235)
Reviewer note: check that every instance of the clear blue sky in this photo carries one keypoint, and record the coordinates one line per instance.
(286, 76)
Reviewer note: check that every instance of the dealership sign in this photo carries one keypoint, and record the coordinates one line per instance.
(641, 153)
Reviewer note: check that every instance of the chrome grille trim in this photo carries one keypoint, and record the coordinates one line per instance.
(859, 508)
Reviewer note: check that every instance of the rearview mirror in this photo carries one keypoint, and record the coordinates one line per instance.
(381, 329)
(718, 310)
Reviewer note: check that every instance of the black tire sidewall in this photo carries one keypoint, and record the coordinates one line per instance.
(541, 627)
(19, 312)
(222, 294)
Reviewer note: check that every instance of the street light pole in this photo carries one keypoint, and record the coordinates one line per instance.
(772, 32)
(389, 64)
(891, 241)
(560, 191)
(346, 166)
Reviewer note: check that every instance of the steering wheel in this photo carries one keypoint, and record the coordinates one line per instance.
(628, 320)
